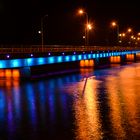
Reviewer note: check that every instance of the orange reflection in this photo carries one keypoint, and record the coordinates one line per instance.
(131, 96)
(130, 57)
(86, 71)
(115, 59)
(87, 114)
(8, 83)
(115, 107)
(87, 63)
(124, 95)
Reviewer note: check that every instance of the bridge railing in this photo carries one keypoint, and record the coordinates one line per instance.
(59, 48)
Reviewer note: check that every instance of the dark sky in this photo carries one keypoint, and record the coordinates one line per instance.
(20, 20)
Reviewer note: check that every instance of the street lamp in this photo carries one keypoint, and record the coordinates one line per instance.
(81, 12)
(130, 35)
(122, 38)
(129, 30)
(115, 25)
(42, 31)
(89, 26)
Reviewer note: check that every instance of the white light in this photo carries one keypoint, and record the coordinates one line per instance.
(39, 32)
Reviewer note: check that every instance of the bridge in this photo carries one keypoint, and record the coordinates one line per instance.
(25, 57)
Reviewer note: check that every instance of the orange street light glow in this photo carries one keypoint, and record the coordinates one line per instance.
(113, 24)
(129, 30)
(81, 11)
(123, 34)
(89, 26)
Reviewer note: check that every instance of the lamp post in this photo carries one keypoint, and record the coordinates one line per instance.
(122, 38)
(42, 32)
(114, 24)
(81, 12)
(130, 35)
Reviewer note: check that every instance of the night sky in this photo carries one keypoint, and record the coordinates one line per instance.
(20, 20)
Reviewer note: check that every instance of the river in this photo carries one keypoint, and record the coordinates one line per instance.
(90, 105)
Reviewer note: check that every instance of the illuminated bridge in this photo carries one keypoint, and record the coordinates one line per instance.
(27, 57)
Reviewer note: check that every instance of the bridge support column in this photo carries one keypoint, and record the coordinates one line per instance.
(135, 57)
(123, 59)
(25, 72)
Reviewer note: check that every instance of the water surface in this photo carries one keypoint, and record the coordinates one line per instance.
(104, 106)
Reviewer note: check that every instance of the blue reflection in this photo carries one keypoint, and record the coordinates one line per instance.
(41, 90)
(17, 103)
(52, 106)
(31, 103)
(2, 106)
(64, 107)
(10, 115)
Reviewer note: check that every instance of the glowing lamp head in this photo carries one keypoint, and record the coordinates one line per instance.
(31, 55)
(7, 56)
(123, 34)
(81, 11)
(89, 27)
(39, 32)
(129, 30)
(114, 24)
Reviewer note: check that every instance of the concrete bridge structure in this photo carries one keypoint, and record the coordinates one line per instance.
(25, 58)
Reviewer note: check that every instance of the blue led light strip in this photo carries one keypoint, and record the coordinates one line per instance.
(28, 62)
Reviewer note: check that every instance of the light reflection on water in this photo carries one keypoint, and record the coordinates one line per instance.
(86, 107)
(57, 108)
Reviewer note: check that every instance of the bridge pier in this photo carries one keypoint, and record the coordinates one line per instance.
(123, 59)
(102, 62)
(25, 72)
